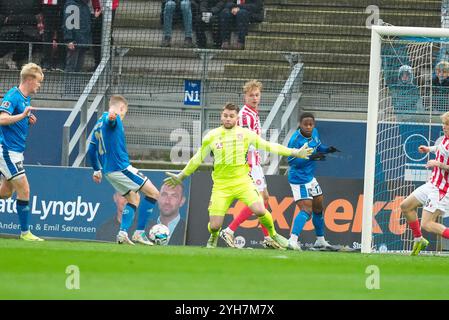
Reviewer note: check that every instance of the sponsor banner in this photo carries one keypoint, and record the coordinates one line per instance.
(192, 92)
(66, 203)
(343, 210)
(44, 143)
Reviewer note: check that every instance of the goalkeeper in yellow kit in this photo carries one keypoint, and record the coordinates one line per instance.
(229, 146)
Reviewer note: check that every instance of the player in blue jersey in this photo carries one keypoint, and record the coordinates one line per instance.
(306, 190)
(15, 120)
(108, 156)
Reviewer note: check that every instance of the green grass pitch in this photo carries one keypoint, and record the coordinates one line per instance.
(111, 271)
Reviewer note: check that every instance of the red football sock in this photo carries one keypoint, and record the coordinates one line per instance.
(242, 217)
(264, 230)
(416, 229)
(446, 233)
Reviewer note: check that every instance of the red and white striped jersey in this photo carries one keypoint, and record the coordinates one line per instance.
(439, 177)
(50, 2)
(249, 118)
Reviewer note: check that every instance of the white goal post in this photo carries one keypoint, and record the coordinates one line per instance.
(377, 32)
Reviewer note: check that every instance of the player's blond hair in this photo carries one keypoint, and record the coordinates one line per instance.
(116, 99)
(31, 70)
(252, 85)
(445, 117)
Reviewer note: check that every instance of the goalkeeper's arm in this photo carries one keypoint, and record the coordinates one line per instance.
(193, 164)
(304, 152)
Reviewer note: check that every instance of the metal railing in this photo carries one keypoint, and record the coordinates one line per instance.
(99, 80)
(282, 119)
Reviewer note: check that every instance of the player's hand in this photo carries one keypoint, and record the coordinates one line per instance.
(317, 157)
(112, 116)
(27, 112)
(332, 149)
(32, 119)
(173, 179)
(433, 163)
(97, 176)
(304, 152)
(423, 149)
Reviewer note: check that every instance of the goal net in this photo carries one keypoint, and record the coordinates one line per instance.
(407, 94)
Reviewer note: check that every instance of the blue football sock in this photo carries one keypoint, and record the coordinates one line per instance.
(127, 217)
(23, 210)
(299, 222)
(318, 223)
(144, 212)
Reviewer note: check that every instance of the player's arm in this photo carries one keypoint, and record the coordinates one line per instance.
(427, 149)
(322, 148)
(259, 143)
(193, 164)
(93, 156)
(7, 118)
(436, 163)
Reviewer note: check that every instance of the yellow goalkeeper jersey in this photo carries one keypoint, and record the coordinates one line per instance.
(229, 148)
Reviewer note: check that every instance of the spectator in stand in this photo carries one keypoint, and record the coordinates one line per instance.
(78, 34)
(169, 8)
(54, 53)
(405, 93)
(97, 29)
(440, 86)
(19, 21)
(208, 18)
(239, 14)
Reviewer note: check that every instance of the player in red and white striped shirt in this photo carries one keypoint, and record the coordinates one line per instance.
(249, 118)
(433, 195)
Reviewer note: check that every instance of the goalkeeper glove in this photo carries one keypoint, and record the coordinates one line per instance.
(332, 150)
(174, 179)
(304, 152)
(317, 157)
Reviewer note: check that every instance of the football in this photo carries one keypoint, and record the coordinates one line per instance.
(159, 234)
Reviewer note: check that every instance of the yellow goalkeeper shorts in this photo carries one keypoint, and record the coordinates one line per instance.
(222, 198)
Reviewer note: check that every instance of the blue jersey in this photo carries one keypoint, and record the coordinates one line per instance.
(303, 170)
(108, 142)
(14, 135)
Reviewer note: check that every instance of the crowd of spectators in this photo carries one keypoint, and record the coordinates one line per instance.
(65, 30)
(221, 17)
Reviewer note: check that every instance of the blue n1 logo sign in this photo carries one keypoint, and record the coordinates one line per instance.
(192, 92)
